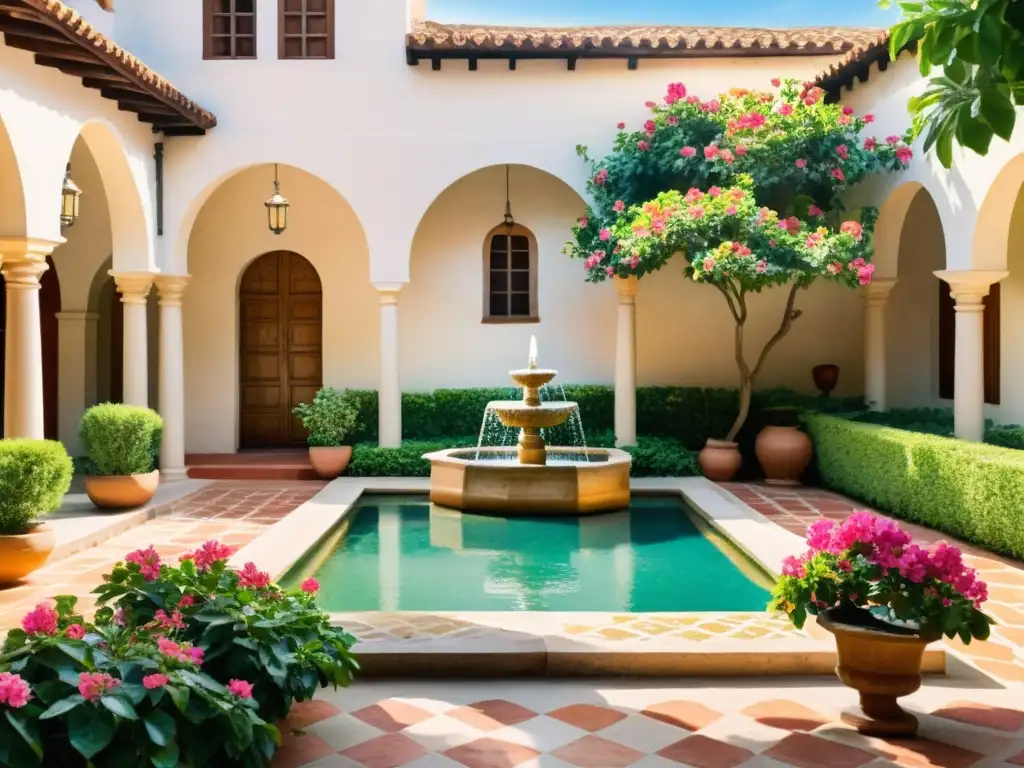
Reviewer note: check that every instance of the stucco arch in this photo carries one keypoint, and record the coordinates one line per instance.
(12, 192)
(889, 228)
(990, 247)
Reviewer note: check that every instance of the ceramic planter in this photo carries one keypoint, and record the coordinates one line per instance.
(329, 461)
(880, 662)
(24, 553)
(121, 491)
(784, 453)
(825, 377)
(719, 460)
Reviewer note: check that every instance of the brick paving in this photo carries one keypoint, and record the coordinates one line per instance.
(795, 508)
(705, 724)
(232, 512)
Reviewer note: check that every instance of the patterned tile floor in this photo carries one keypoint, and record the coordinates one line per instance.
(1003, 655)
(232, 512)
(705, 724)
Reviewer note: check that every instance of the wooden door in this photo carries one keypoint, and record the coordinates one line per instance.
(280, 356)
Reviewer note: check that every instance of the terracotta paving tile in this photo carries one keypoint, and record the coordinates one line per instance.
(805, 751)
(988, 650)
(1014, 635)
(388, 751)
(702, 752)
(787, 715)
(300, 750)
(306, 713)
(595, 752)
(1017, 759)
(999, 718)
(491, 753)
(392, 715)
(1011, 673)
(588, 716)
(683, 714)
(492, 714)
(924, 753)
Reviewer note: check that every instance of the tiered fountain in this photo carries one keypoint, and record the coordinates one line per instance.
(536, 478)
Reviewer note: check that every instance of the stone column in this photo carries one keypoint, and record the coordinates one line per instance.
(876, 296)
(134, 289)
(968, 289)
(23, 262)
(389, 392)
(77, 387)
(625, 362)
(172, 376)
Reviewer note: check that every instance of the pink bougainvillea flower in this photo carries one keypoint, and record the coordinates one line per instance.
(785, 110)
(741, 149)
(676, 92)
(870, 143)
(904, 154)
(892, 139)
(711, 106)
(852, 228)
(835, 268)
(697, 211)
(620, 126)
(311, 585)
(148, 561)
(776, 82)
(609, 271)
(687, 151)
(174, 621)
(186, 601)
(813, 210)
(672, 120)
(708, 264)
(582, 221)
(731, 210)
(650, 105)
(154, 681)
(762, 267)
(619, 206)
(847, 110)
(714, 191)
(726, 156)
(800, 162)
(710, 151)
(601, 177)
(14, 690)
(864, 273)
(868, 119)
(838, 175)
(93, 685)
(240, 688)
(842, 151)
(209, 553)
(75, 632)
(693, 195)
(642, 145)
(794, 567)
(41, 620)
(844, 120)
(691, 99)
(604, 234)
(650, 127)
(250, 577)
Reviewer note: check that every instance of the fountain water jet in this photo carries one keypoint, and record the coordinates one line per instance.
(576, 481)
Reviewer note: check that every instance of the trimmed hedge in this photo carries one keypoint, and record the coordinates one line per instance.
(652, 457)
(970, 490)
(939, 421)
(120, 439)
(34, 476)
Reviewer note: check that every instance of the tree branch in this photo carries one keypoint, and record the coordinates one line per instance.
(787, 321)
(728, 298)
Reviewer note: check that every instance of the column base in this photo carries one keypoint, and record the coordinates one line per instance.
(173, 475)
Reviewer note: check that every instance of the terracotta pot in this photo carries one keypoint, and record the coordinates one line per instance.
(330, 461)
(784, 453)
(121, 491)
(21, 554)
(882, 663)
(719, 460)
(825, 377)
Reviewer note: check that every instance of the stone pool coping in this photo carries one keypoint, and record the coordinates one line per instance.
(469, 644)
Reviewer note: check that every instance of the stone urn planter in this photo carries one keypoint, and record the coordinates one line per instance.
(329, 461)
(882, 663)
(825, 377)
(24, 553)
(720, 460)
(121, 491)
(784, 453)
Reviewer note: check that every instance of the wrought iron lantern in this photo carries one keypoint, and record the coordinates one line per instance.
(509, 220)
(277, 208)
(69, 199)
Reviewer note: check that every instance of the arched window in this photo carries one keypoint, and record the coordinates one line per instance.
(510, 275)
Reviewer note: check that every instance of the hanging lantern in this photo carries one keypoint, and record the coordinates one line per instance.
(277, 208)
(69, 197)
(509, 220)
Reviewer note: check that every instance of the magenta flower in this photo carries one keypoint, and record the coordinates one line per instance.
(250, 577)
(776, 82)
(813, 210)
(209, 553)
(619, 206)
(711, 152)
(904, 153)
(709, 264)
(650, 105)
(687, 151)
(741, 149)
(838, 175)
(800, 162)
(602, 177)
(240, 688)
(868, 119)
(731, 210)
(609, 271)
(75, 632)
(604, 234)
(853, 229)
(650, 127)
(676, 92)
(693, 195)
(642, 145)
(870, 143)
(154, 681)
(148, 561)
(174, 621)
(785, 110)
(892, 139)
(794, 567)
(14, 691)
(762, 267)
(311, 585)
(726, 156)
(583, 221)
(92, 686)
(620, 126)
(672, 120)
(842, 151)
(186, 601)
(41, 620)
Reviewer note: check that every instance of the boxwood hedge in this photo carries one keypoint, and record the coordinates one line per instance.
(971, 490)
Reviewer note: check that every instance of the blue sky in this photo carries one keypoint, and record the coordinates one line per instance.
(745, 13)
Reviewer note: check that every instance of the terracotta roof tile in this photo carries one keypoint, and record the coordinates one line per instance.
(429, 36)
(120, 60)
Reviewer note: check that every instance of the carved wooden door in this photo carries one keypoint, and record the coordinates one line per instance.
(280, 361)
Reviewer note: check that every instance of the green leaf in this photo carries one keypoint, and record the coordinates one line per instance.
(62, 706)
(998, 111)
(973, 133)
(160, 727)
(957, 71)
(990, 36)
(166, 757)
(944, 146)
(90, 730)
(179, 696)
(79, 653)
(27, 730)
(200, 680)
(119, 707)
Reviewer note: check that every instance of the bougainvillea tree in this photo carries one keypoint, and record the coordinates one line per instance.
(748, 188)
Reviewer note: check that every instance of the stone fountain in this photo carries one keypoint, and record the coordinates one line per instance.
(534, 478)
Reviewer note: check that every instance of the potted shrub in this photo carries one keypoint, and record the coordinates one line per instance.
(782, 450)
(330, 419)
(884, 599)
(121, 443)
(34, 476)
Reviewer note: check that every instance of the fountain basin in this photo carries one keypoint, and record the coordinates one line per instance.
(514, 413)
(575, 481)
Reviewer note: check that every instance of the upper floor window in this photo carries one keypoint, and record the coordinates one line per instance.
(229, 29)
(510, 275)
(305, 29)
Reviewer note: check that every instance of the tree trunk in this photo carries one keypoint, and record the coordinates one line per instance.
(746, 391)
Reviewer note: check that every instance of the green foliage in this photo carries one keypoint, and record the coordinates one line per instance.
(970, 490)
(1007, 436)
(34, 476)
(939, 421)
(121, 439)
(330, 419)
(979, 46)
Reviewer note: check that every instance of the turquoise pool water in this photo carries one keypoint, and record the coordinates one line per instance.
(403, 553)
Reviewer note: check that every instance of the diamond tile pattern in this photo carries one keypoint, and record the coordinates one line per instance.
(520, 730)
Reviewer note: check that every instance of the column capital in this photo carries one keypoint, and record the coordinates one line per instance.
(970, 286)
(133, 286)
(171, 289)
(27, 248)
(627, 287)
(24, 275)
(388, 292)
(876, 293)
